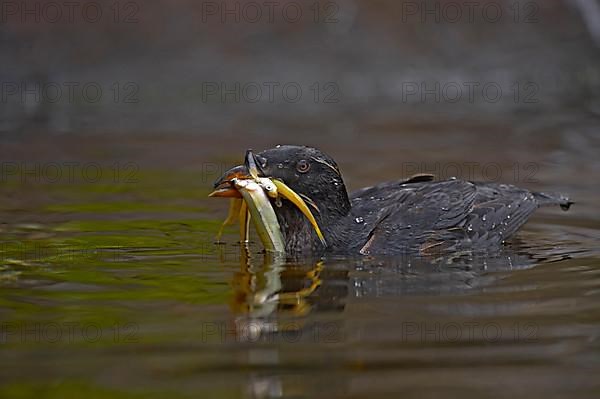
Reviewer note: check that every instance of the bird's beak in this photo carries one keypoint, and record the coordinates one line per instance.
(224, 186)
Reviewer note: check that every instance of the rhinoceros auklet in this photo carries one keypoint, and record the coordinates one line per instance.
(416, 215)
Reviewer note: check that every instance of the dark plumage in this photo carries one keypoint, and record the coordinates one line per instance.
(414, 215)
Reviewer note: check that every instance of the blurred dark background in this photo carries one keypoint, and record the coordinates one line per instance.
(388, 88)
(335, 68)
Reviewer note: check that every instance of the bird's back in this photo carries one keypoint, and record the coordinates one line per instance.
(426, 216)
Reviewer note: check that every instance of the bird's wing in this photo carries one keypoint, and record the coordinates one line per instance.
(500, 210)
(439, 216)
(391, 186)
(413, 216)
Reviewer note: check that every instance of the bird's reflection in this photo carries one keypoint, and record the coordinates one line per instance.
(272, 295)
(281, 301)
(272, 303)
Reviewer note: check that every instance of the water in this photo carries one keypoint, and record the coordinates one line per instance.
(111, 284)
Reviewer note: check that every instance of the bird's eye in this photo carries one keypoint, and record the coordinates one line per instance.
(303, 166)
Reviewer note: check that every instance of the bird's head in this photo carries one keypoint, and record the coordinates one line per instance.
(311, 174)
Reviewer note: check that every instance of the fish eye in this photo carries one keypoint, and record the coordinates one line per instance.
(303, 166)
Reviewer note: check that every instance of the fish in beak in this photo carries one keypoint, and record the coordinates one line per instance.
(249, 193)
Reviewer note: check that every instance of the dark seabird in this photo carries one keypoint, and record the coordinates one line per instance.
(416, 215)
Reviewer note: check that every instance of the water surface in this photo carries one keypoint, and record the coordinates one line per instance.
(112, 285)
